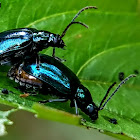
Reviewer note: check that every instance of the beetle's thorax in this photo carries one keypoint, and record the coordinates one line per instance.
(46, 39)
(83, 95)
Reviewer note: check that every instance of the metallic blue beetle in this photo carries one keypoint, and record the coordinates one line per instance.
(60, 81)
(19, 44)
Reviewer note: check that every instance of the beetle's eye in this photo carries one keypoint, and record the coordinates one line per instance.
(90, 108)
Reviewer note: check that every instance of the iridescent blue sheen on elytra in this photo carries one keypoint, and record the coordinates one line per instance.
(48, 72)
(53, 73)
(13, 40)
(6, 45)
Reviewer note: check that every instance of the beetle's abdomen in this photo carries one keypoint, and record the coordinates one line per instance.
(24, 79)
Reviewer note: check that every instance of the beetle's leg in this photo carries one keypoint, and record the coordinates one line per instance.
(76, 107)
(53, 100)
(57, 58)
(37, 62)
(53, 54)
(20, 68)
(11, 72)
(76, 110)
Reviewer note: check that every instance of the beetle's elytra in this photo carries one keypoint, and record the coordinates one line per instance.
(19, 44)
(60, 79)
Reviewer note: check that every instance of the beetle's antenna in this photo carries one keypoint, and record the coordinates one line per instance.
(72, 22)
(106, 94)
(83, 9)
(64, 32)
(122, 82)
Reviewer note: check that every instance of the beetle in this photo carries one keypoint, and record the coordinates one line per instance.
(121, 76)
(113, 120)
(136, 71)
(5, 91)
(19, 44)
(62, 82)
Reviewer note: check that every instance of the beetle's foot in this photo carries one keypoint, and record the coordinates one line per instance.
(83, 120)
(43, 102)
(59, 59)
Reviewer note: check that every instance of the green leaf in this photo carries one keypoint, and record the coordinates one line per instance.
(56, 115)
(97, 55)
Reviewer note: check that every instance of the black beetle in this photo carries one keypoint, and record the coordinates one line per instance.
(5, 91)
(25, 42)
(121, 76)
(113, 120)
(62, 81)
(136, 71)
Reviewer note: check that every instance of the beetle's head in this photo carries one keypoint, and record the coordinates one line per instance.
(92, 111)
(85, 103)
(59, 42)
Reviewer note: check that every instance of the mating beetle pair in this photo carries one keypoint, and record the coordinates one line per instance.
(25, 43)
(61, 81)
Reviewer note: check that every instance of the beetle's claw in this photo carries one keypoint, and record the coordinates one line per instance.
(83, 120)
(43, 102)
